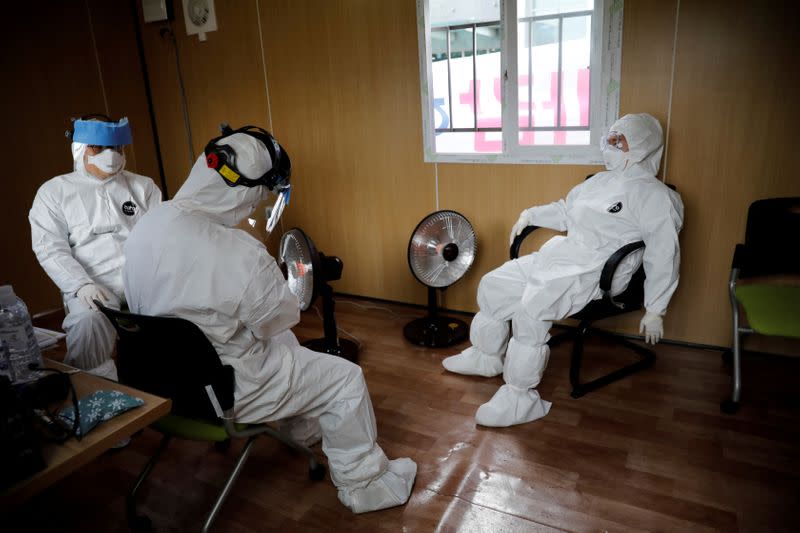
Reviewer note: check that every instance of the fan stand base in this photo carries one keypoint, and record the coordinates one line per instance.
(436, 332)
(347, 349)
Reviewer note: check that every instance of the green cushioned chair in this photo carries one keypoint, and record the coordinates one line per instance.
(771, 249)
(172, 358)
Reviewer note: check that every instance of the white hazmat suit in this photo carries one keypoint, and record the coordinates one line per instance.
(600, 216)
(79, 223)
(186, 259)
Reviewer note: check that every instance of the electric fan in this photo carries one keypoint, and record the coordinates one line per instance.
(440, 251)
(308, 273)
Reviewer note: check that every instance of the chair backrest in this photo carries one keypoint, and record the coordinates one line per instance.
(772, 237)
(171, 357)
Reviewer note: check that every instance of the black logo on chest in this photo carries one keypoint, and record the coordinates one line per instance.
(616, 208)
(129, 208)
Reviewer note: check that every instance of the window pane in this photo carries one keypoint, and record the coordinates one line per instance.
(487, 142)
(554, 52)
(455, 12)
(523, 73)
(575, 59)
(455, 106)
(549, 138)
(537, 138)
(577, 137)
(544, 69)
(461, 78)
(487, 66)
(539, 8)
(441, 96)
(553, 77)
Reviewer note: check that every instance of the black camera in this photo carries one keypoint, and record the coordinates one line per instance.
(25, 416)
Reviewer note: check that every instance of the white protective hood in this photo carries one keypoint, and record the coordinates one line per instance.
(206, 192)
(645, 142)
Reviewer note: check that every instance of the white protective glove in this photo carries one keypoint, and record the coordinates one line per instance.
(523, 221)
(91, 292)
(653, 327)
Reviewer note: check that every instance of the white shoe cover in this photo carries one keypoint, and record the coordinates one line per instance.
(473, 362)
(391, 489)
(510, 406)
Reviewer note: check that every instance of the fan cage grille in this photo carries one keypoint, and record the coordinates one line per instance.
(427, 242)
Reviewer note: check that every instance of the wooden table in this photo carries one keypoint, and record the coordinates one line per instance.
(63, 459)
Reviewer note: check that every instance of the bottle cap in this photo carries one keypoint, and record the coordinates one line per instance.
(7, 296)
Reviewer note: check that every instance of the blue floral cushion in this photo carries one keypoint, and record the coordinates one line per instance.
(99, 406)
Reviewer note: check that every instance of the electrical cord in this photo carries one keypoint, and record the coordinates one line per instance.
(339, 328)
(381, 308)
(167, 31)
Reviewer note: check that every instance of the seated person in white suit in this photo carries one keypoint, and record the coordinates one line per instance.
(79, 222)
(187, 259)
(625, 204)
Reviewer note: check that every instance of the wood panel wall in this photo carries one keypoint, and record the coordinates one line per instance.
(338, 83)
(736, 81)
(51, 73)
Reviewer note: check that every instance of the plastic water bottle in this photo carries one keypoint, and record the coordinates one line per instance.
(5, 362)
(16, 330)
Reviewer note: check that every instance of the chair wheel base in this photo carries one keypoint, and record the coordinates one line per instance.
(141, 524)
(222, 446)
(317, 473)
(729, 407)
(727, 357)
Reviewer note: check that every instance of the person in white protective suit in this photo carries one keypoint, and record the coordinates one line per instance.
(79, 222)
(623, 205)
(187, 259)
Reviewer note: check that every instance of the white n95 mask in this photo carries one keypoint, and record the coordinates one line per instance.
(109, 161)
(615, 159)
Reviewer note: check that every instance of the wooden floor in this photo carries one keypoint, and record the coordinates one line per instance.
(649, 453)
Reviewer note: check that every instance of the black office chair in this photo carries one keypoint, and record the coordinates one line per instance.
(172, 358)
(770, 248)
(629, 300)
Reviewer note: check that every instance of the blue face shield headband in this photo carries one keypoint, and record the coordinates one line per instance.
(99, 133)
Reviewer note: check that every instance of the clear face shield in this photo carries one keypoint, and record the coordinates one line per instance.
(274, 212)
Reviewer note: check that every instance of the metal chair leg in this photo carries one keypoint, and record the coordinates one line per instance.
(576, 360)
(229, 484)
(647, 357)
(731, 406)
(138, 522)
(316, 470)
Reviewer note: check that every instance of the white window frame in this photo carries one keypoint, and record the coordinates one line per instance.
(606, 50)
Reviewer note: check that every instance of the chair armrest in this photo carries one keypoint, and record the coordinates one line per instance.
(513, 252)
(235, 430)
(610, 268)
